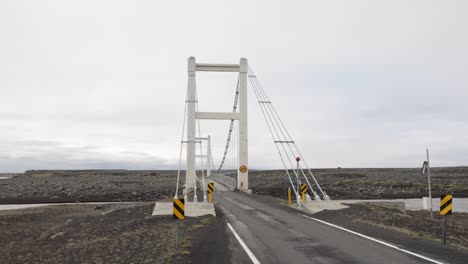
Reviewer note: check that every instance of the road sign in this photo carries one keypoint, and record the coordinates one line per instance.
(243, 169)
(210, 191)
(178, 210)
(445, 209)
(303, 190)
(424, 167)
(446, 204)
(210, 187)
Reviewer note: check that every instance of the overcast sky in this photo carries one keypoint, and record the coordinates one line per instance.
(101, 84)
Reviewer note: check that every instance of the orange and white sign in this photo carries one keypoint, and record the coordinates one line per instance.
(243, 169)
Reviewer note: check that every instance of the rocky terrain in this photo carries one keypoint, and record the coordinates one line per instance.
(100, 234)
(126, 233)
(126, 185)
(369, 183)
(87, 186)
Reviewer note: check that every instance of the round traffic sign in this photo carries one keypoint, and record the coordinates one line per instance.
(243, 169)
(298, 158)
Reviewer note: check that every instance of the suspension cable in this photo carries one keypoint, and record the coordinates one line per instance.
(280, 128)
(213, 167)
(181, 148)
(276, 145)
(281, 140)
(201, 151)
(285, 139)
(295, 146)
(234, 109)
(296, 173)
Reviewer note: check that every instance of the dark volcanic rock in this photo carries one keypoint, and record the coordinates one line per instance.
(88, 186)
(368, 183)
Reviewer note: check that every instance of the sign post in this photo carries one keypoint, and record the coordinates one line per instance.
(426, 167)
(298, 197)
(429, 180)
(445, 209)
(178, 212)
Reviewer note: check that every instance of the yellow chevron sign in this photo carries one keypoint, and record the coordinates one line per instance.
(210, 187)
(304, 188)
(303, 191)
(446, 204)
(178, 210)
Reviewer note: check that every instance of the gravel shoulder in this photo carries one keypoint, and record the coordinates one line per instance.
(102, 234)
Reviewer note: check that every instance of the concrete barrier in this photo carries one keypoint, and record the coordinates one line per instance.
(191, 209)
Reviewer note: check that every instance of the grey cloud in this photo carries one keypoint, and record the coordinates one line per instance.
(24, 155)
(102, 83)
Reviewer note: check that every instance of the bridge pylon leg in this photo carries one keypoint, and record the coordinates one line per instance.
(243, 172)
(208, 156)
(191, 115)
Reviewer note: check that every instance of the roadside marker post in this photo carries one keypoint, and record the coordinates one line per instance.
(210, 191)
(289, 196)
(426, 168)
(178, 213)
(304, 190)
(445, 209)
(298, 196)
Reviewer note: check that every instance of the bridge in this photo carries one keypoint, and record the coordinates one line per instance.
(267, 230)
(296, 168)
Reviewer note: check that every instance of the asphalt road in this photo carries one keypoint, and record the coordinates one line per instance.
(278, 234)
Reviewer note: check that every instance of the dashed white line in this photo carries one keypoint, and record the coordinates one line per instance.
(244, 246)
(375, 240)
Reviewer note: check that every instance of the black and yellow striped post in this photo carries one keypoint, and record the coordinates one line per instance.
(303, 191)
(445, 209)
(446, 204)
(178, 212)
(210, 191)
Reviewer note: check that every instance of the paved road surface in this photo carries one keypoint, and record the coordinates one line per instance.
(278, 234)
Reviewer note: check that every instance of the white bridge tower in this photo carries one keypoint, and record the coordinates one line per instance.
(240, 116)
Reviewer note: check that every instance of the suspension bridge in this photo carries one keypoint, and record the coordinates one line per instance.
(235, 155)
(266, 229)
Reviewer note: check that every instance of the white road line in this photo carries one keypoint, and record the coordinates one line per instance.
(244, 246)
(376, 240)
